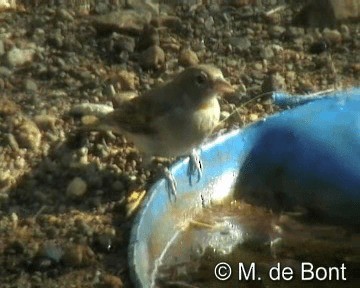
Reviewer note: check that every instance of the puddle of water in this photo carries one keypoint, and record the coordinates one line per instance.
(258, 239)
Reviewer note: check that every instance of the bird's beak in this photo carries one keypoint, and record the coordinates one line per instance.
(222, 86)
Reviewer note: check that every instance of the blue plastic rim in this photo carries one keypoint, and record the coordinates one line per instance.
(308, 156)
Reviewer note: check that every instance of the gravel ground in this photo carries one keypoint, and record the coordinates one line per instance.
(66, 206)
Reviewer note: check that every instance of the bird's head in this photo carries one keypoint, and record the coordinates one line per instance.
(203, 82)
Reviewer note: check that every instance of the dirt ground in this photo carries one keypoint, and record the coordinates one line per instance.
(66, 207)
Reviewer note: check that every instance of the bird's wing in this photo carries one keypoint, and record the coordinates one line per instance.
(137, 115)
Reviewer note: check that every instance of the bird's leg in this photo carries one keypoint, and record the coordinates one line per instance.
(195, 166)
(171, 184)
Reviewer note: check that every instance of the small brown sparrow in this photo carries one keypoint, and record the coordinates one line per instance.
(173, 119)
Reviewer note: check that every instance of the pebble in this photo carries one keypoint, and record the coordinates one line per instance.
(97, 110)
(12, 142)
(76, 255)
(267, 52)
(290, 76)
(122, 97)
(64, 15)
(7, 4)
(51, 251)
(224, 115)
(276, 30)
(152, 58)
(332, 36)
(45, 122)
(8, 107)
(17, 57)
(111, 281)
(258, 66)
(209, 23)
(4, 71)
(171, 44)
(121, 43)
(187, 58)
(253, 117)
(123, 21)
(141, 5)
(128, 80)
(345, 31)
(240, 43)
(76, 188)
(30, 85)
(2, 47)
(28, 135)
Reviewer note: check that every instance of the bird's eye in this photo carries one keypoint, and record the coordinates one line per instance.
(201, 79)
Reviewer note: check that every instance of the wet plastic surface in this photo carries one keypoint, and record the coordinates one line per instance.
(308, 156)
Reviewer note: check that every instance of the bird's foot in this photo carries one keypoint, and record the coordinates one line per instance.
(195, 166)
(170, 184)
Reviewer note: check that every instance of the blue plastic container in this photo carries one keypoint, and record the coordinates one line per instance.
(307, 157)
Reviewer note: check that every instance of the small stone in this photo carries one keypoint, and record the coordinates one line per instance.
(8, 107)
(98, 110)
(224, 115)
(7, 4)
(65, 15)
(123, 21)
(56, 38)
(17, 57)
(253, 117)
(332, 36)
(2, 47)
(171, 44)
(153, 58)
(50, 251)
(28, 135)
(30, 85)
(12, 142)
(345, 31)
(290, 76)
(121, 43)
(240, 43)
(187, 58)
(111, 281)
(209, 23)
(267, 52)
(76, 188)
(258, 66)
(277, 30)
(101, 8)
(4, 71)
(122, 97)
(232, 62)
(128, 80)
(78, 255)
(45, 122)
(151, 6)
